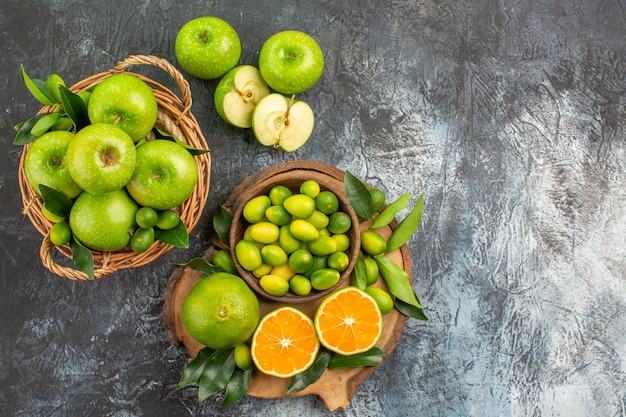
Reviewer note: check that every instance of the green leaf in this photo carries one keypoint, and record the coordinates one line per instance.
(389, 212)
(176, 236)
(82, 258)
(45, 123)
(204, 267)
(221, 223)
(193, 369)
(302, 380)
(74, 107)
(410, 310)
(360, 199)
(407, 227)
(23, 135)
(55, 201)
(237, 386)
(161, 134)
(36, 87)
(216, 373)
(359, 273)
(397, 280)
(372, 357)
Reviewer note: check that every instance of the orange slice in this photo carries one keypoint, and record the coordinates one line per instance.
(284, 343)
(348, 321)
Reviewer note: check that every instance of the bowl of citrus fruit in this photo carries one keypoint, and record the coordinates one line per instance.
(294, 235)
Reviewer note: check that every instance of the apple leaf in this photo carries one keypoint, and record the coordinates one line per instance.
(360, 199)
(74, 107)
(55, 201)
(24, 135)
(82, 257)
(161, 134)
(36, 87)
(177, 236)
(221, 223)
(201, 265)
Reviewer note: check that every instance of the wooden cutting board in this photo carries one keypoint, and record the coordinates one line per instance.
(336, 387)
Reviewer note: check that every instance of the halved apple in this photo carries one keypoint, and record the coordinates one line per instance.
(282, 122)
(237, 93)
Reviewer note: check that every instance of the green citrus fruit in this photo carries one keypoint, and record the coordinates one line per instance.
(278, 215)
(142, 239)
(319, 262)
(248, 254)
(221, 311)
(243, 356)
(60, 233)
(323, 245)
(310, 188)
(283, 271)
(371, 268)
(338, 261)
(300, 285)
(301, 260)
(339, 222)
(264, 232)
(274, 285)
(273, 255)
(343, 241)
(378, 198)
(318, 219)
(303, 230)
(373, 243)
(168, 219)
(287, 241)
(300, 205)
(254, 210)
(382, 298)
(324, 278)
(264, 269)
(278, 194)
(146, 217)
(224, 260)
(327, 202)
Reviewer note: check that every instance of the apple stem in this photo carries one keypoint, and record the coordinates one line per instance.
(205, 36)
(117, 119)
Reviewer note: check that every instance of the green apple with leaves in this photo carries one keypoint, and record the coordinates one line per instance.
(125, 101)
(165, 174)
(207, 47)
(101, 158)
(237, 93)
(291, 61)
(282, 122)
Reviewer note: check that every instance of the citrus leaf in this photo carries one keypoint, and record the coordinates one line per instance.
(302, 380)
(204, 267)
(193, 369)
(389, 212)
(397, 280)
(221, 223)
(176, 236)
(407, 227)
(55, 201)
(237, 386)
(216, 373)
(372, 357)
(45, 123)
(74, 107)
(360, 199)
(82, 257)
(410, 310)
(359, 273)
(36, 87)
(23, 135)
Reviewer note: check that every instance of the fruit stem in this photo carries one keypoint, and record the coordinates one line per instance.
(293, 100)
(117, 119)
(205, 37)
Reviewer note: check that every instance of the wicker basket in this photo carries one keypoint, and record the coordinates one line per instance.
(175, 118)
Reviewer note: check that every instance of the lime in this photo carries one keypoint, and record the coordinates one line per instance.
(264, 232)
(343, 241)
(300, 285)
(324, 278)
(248, 254)
(323, 245)
(274, 285)
(301, 260)
(224, 260)
(273, 255)
(278, 194)
(264, 269)
(278, 215)
(310, 188)
(373, 243)
(168, 219)
(142, 239)
(283, 271)
(327, 202)
(254, 210)
(60, 233)
(338, 261)
(243, 357)
(300, 205)
(287, 241)
(221, 311)
(319, 262)
(146, 217)
(339, 222)
(382, 298)
(378, 198)
(318, 219)
(371, 268)
(303, 230)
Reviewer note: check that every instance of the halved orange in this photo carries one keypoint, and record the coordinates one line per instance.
(348, 321)
(284, 344)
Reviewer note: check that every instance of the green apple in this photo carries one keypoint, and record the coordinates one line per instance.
(101, 158)
(282, 122)
(165, 175)
(237, 93)
(207, 47)
(103, 222)
(125, 101)
(46, 163)
(291, 61)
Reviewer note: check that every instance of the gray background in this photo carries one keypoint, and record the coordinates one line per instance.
(508, 115)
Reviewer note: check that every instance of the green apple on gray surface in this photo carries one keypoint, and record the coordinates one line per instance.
(207, 47)
(101, 158)
(282, 122)
(291, 62)
(125, 101)
(237, 93)
(165, 175)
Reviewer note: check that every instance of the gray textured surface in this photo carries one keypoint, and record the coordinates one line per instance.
(509, 115)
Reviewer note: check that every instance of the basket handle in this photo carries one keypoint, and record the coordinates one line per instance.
(64, 271)
(166, 66)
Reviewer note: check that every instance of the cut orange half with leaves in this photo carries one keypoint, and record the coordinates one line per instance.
(284, 344)
(348, 321)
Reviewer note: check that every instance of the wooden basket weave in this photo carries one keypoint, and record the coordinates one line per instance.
(175, 118)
